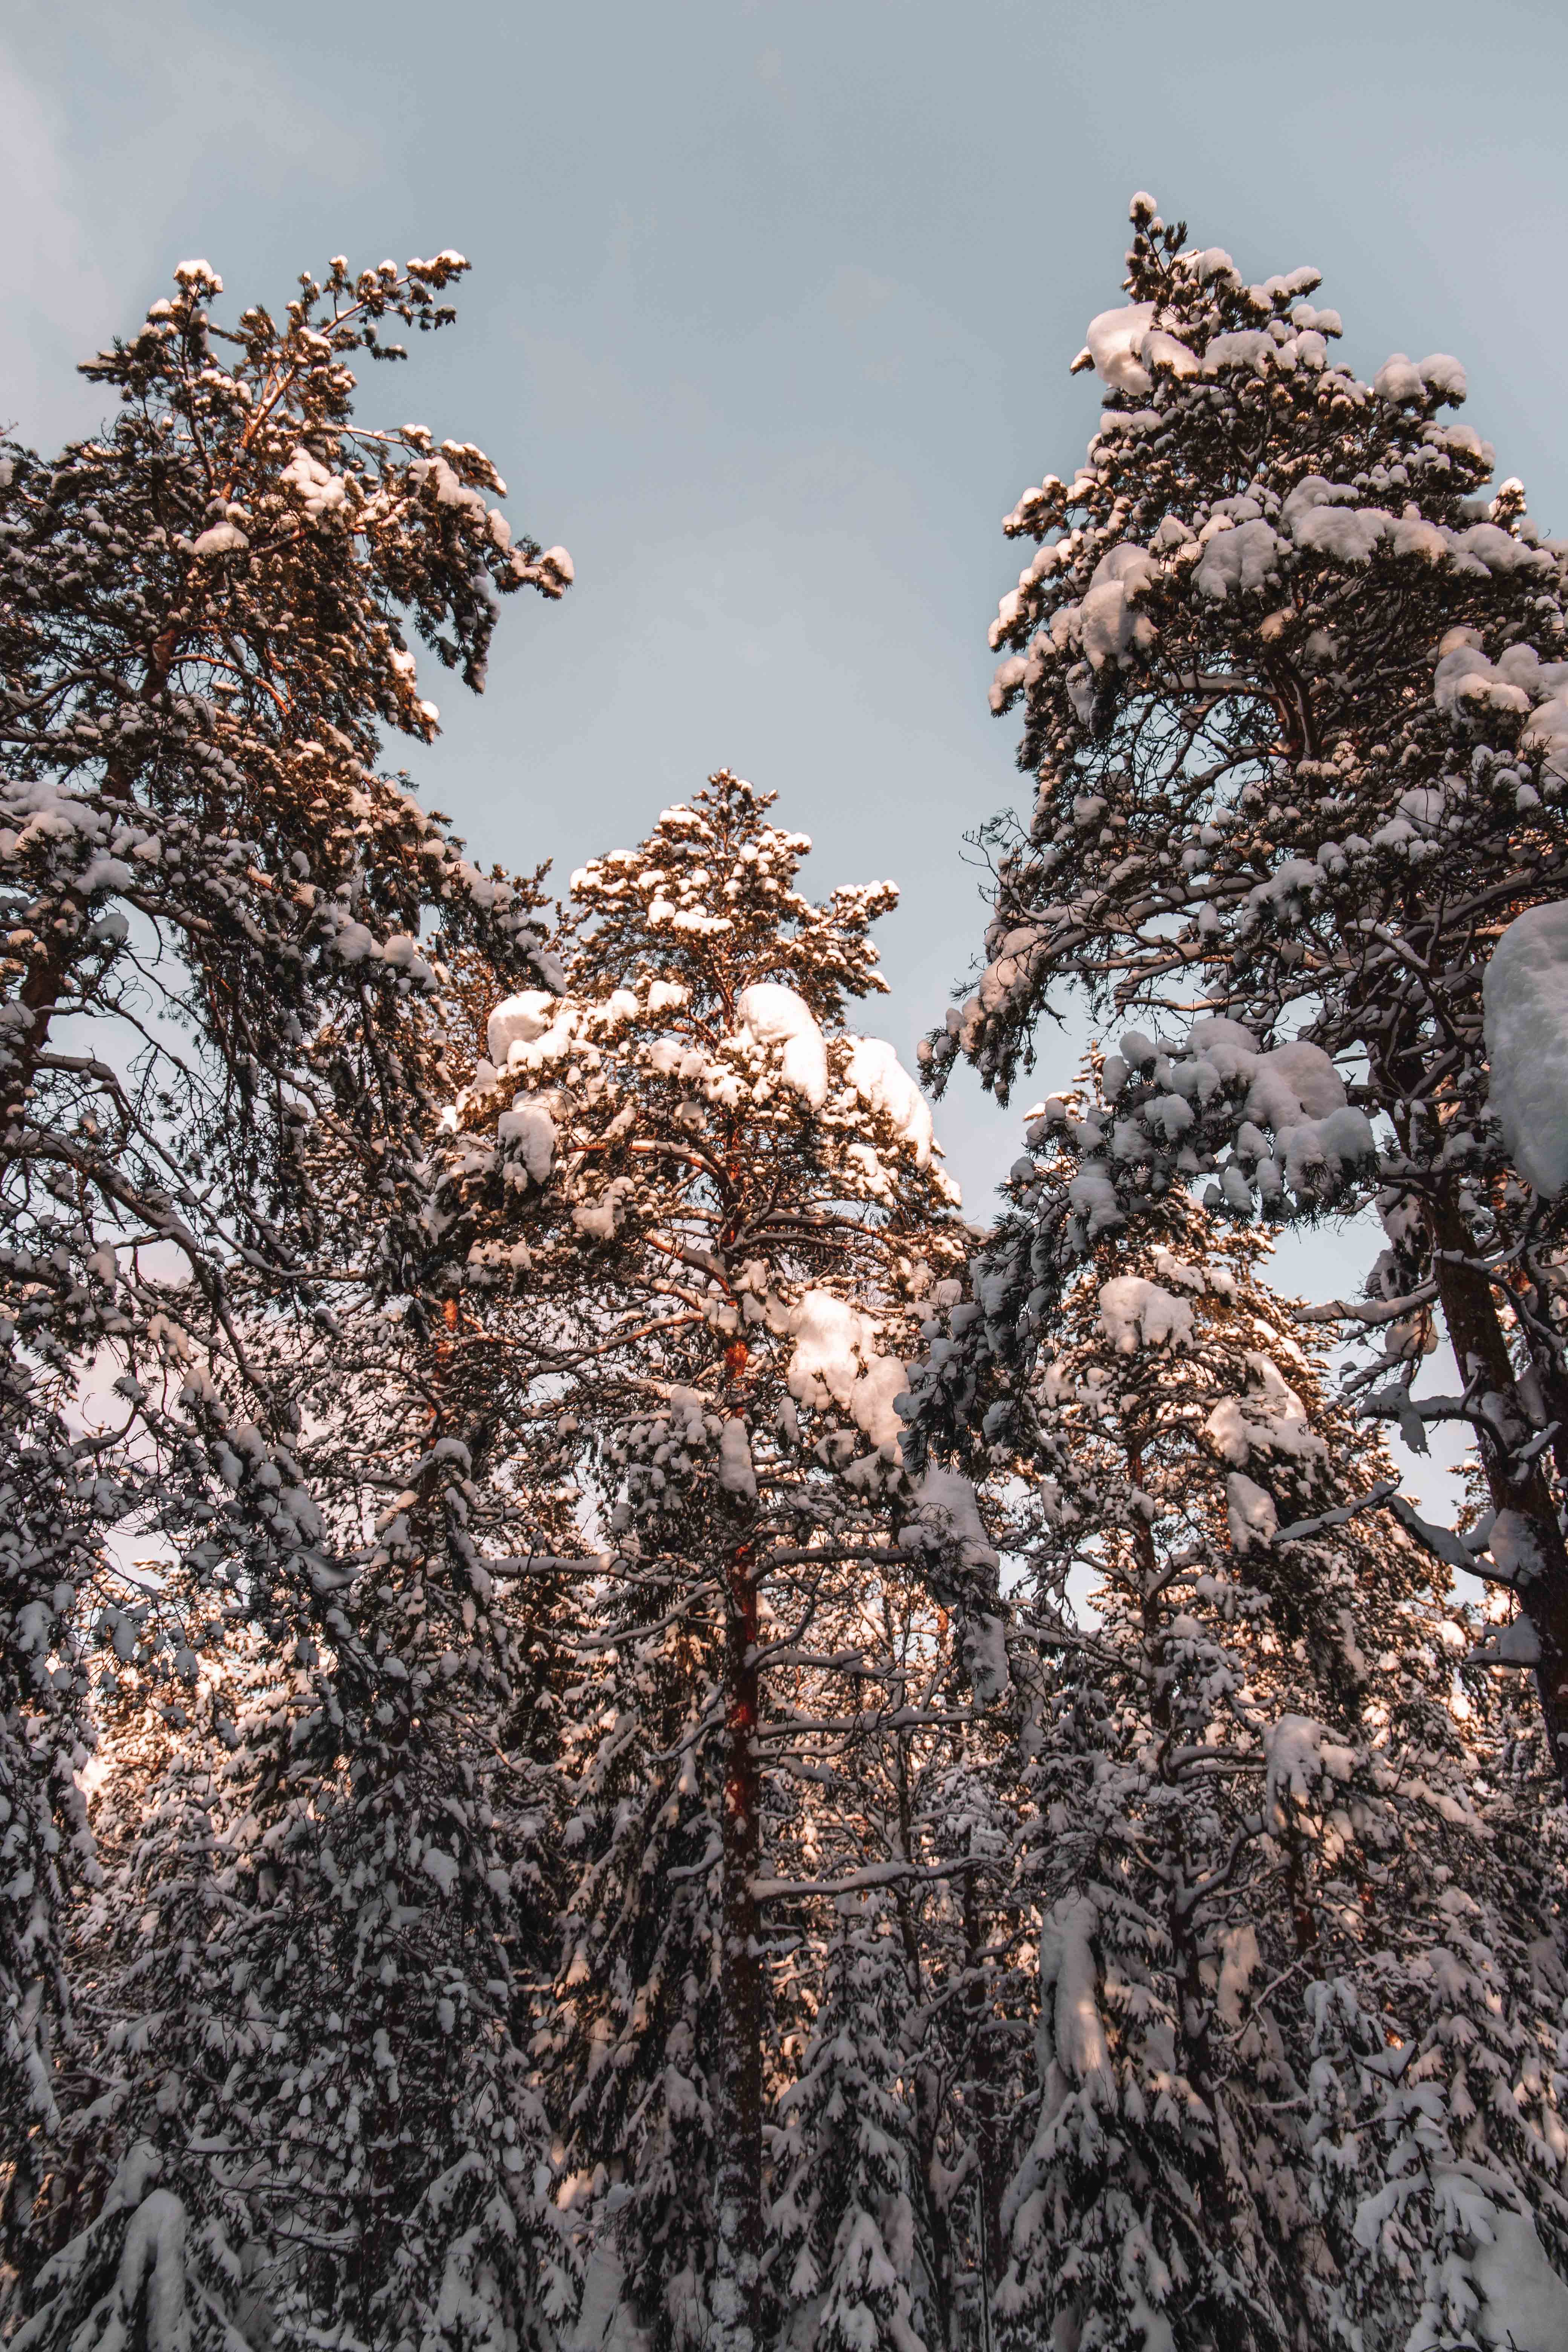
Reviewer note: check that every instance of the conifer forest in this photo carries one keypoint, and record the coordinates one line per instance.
(626, 1726)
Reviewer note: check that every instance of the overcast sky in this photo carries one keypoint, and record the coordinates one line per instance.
(770, 322)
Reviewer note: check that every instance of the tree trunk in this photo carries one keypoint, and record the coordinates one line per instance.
(39, 994)
(1481, 1346)
(926, 2081)
(737, 2275)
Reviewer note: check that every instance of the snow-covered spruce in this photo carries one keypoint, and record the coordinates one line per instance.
(1295, 710)
(1300, 1971)
(847, 2153)
(722, 1209)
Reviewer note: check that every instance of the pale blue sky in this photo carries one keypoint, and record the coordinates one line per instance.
(770, 323)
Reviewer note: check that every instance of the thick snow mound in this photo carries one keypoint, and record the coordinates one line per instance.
(736, 1474)
(1250, 1512)
(837, 1361)
(523, 1017)
(1074, 2029)
(1524, 2303)
(1270, 1417)
(775, 1016)
(1136, 1314)
(880, 1079)
(1526, 996)
(1238, 560)
(527, 1134)
(602, 1220)
(947, 1516)
(1123, 344)
(1114, 341)
(1291, 1084)
(1298, 1753)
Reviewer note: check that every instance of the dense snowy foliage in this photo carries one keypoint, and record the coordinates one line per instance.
(213, 903)
(1288, 1859)
(1293, 693)
(615, 1729)
(722, 1210)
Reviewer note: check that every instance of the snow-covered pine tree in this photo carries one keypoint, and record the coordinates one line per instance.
(1270, 1840)
(1295, 710)
(722, 1210)
(212, 902)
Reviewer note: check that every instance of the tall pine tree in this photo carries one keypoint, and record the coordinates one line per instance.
(722, 1209)
(1293, 697)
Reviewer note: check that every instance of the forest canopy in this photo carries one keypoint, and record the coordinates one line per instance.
(623, 1722)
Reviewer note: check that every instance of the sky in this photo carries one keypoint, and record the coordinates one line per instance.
(770, 322)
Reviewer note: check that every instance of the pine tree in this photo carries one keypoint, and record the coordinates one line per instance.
(330, 1898)
(1293, 698)
(202, 637)
(722, 1210)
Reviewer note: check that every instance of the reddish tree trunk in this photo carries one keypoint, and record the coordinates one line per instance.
(1481, 1346)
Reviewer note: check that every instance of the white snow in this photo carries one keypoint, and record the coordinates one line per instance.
(1524, 2303)
(519, 1019)
(527, 1132)
(1239, 1957)
(1238, 561)
(1298, 1752)
(837, 1361)
(1292, 1084)
(1547, 730)
(1093, 1195)
(1517, 1644)
(1464, 680)
(776, 1016)
(1123, 345)
(1515, 1555)
(1293, 1091)
(1136, 1314)
(1114, 341)
(147, 2302)
(1244, 347)
(736, 1474)
(1271, 1416)
(602, 1220)
(1526, 998)
(221, 539)
(1107, 626)
(880, 1079)
(439, 1867)
(317, 488)
(1348, 534)
(1251, 1514)
(1067, 1970)
(947, 1515)
(985, 1657)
